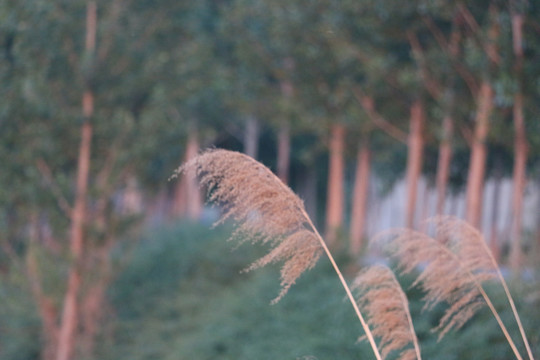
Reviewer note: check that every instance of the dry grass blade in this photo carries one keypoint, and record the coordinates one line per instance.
(264, 209)
(268, 212)
(453, 268)
(380, 296)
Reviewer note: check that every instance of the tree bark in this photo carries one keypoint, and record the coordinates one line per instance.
(251, 137)
(477, 166)
(335, 197)
(414, 159)
(494, 236)
(187, 197)
(70, 315)
(284, 152)
(445, 147)
(360, 197)
(484, 101)
(443, 163)
(93, 306)
(193, 193)
(179, 205)
(520, 147)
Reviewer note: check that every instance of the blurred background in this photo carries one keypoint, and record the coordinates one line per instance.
(379, 114)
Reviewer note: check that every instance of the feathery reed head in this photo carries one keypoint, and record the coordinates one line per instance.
(453, 267)
(380, 296)
(265, 210)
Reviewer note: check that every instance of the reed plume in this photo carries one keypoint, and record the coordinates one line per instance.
(453, 229)
(382, 299)
(453, 268)
(266, 211)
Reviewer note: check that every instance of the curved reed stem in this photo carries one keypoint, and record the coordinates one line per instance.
(411, 326)
(350, 296)
(511, 301)
(475, 234)
(499, 321)
(490, 304)
(268, 212)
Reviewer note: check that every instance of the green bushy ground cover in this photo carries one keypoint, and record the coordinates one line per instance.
(181, 295)
(184, 297)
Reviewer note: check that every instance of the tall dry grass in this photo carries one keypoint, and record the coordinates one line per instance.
(266, 211)
(454, 265)
(381, 297)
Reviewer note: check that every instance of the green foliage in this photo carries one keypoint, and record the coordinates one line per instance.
(182, 296)
(480, 338)
(19, 322)
(161, 67)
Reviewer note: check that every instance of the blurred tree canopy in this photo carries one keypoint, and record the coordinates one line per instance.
(163, 68)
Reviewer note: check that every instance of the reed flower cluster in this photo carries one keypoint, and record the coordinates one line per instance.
(453, 264)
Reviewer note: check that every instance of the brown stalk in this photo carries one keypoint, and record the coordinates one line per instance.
(266, 211)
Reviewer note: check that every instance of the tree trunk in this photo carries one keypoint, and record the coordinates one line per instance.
(251, 137)
(179, 205)
(414, 159)
(307, 190)
(443, 164)
(187, 195)
(334, 201)
(519, 180)
(284, 152)
(93, 306)
(70, 315)
(520, 148)
(360, 197)
(477, 166)
(448, 98)
(284, 134)
(494, 236)
(193, 193)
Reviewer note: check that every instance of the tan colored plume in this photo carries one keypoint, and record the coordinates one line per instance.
(453, 266)
(382, 299)
(266, 211)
